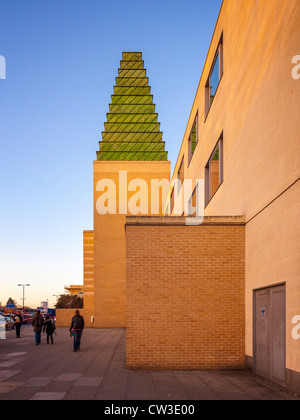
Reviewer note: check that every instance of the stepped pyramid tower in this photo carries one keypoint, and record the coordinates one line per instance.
(132, 132)
(131, 145)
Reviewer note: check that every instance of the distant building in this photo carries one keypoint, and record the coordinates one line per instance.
(74, 289)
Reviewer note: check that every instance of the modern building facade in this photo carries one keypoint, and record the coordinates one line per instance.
(225, 293)
(242, 139)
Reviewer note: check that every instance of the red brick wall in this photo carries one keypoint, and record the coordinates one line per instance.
(185, 296)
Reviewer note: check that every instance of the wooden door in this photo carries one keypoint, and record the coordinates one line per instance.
(269, 334)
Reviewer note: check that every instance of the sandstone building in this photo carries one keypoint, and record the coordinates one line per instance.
(225, 293)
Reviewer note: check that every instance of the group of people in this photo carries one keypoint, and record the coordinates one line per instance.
(48, 325)
(40, 324)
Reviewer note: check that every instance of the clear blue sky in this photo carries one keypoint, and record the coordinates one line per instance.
(62, 58)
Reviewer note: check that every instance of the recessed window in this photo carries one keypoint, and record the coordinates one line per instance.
(180, 174)
(214, 77)
(193, 139)
(193, 203)
(176, 192)
(214, 171)
(172, 201)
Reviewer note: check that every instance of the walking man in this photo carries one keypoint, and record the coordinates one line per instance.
(37, 323)
(77, 326)
(49, 326)
(18, 324)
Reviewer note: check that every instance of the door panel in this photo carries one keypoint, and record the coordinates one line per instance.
(278, 335)
(269, 334)
(262, 341)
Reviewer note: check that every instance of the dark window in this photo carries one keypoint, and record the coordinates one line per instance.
(193, 203)
(193, 139)
(214, 77)
(180, 174)
(214, 171)
(172, 201)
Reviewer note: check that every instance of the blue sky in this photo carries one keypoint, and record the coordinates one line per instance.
(62, 59)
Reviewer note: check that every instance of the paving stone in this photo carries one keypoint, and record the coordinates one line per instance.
(7, 373)
(195, 387)
(21, 393)
(16, 354)
(9, 363)
(168, 387)
(220, 384)
(57, 386)
(113, 386)
(38, 381)
(140, 386)
(48, 396)
(6, 387)
(67, 377)
(81, 393)
(89, 381)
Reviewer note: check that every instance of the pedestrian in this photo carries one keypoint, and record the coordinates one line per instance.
(18, 320)
(37, 323)
(49, 327)
(77, 326)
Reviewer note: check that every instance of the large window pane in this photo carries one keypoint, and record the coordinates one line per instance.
(214, 171)
(193, 139)
(214, 79)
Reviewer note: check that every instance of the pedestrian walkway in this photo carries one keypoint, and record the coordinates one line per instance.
(97, 371)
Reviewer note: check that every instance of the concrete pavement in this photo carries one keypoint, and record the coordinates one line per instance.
(97, 372)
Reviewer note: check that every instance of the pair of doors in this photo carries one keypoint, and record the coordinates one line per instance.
(269, 334)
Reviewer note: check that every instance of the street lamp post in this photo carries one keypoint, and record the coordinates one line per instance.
(23, 285)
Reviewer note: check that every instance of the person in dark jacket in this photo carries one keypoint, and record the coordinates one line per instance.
(77, 326)
(37, 323)
(18, 320)
(49, 327)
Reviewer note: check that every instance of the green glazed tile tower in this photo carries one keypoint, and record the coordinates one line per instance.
(132, 131)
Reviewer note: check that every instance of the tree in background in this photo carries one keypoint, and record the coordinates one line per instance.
(69, 302)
